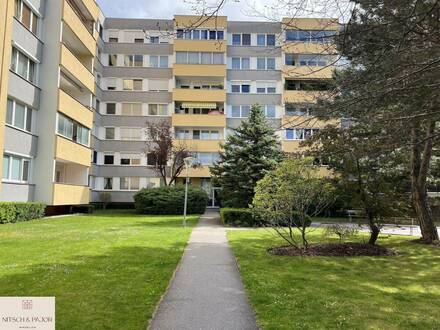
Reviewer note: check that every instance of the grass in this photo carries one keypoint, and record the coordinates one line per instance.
(107, 270)
(356, 220)
(399, 292)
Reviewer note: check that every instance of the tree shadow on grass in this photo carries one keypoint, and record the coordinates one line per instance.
(116, 290)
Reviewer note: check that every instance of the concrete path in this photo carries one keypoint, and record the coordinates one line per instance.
(206, 292)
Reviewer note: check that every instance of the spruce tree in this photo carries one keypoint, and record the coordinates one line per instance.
(247, 156)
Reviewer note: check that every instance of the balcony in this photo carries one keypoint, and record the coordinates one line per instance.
(199, 172)
(291, 146)
(199, 95)
(76, 69)
(308, 72)
(200, 145)
(67, 194)
(298, 47)
(186, 45)
(74, 109)
(308, 122)
(303, 96)
(71, 19)
(70, 151)
(187, 120)
(200, 70)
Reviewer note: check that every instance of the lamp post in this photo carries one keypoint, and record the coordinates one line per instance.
(188, 162)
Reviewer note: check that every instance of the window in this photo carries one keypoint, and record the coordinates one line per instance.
(179, 34)
(15, 168)
(212, 35)
(246, 39)
(158, 109)
(310, 36)
(158, 61)
(265, 63)
(113, 39)
(236, 63)
(196, 34)
(111, 84)
(261, 63)
(293, 109)
(307, 85)
(132, 84)
(183, 134)
(236, 39)
(72, 130)
(314, 60)
(270, 63)
(261, 39)
(199, 58)
(108, 183)
(290, 59)
(130, 133)
(113, 60)
(220, 35)
(245, 63)
(128, 159)
(240, 111)
(22, 65)
(181, 57)
(266, 87)
(300, 133)
(26, 16)
(235, 88)
(129, 60)
(270, 111)
(131, 109)
(138, 60)
(207, 158)
(109, 133)
(139, 40)
(193, 58)
(245, 88)
(19, 115)
(109, 159)
(270, 40)
(204, 34)
(163, 61)
(217, 58)
(154, 40)
(110, 108)
(131, 183)
(157, 85)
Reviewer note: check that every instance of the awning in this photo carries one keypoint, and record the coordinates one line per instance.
(199, 105)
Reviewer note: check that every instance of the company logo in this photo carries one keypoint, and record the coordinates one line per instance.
(27, 313)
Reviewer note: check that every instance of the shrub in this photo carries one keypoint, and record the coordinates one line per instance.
(343, 231)
(11, 212)
(239, 217)
(170, 200)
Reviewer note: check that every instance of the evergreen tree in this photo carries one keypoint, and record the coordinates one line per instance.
(247, 156)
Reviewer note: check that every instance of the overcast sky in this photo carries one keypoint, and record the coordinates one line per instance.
(236, 10)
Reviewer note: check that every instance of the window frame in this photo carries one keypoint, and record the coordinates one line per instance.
(22, 173)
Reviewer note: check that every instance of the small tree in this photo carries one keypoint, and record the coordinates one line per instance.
(165, 155)
(287, 197)
(247, 156)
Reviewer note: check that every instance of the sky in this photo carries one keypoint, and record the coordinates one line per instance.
(238, 10)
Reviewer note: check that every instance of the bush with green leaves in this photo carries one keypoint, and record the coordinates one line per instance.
(170, 200)
(342, 231)
(11, 212)
(239, 217)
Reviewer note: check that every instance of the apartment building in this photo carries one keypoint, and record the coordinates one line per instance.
(81, 89)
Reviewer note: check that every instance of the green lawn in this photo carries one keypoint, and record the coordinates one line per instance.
(107, 270)
(400, 292)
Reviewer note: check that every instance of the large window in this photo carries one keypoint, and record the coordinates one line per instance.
(130, 159)
(15, 168)
(108, 183)
(207, 158)
(200, 34)
(270, 111)
(310, 36)
(158, 61)
(130, 133)
(72, 130)
(110, 133)
(19, 115)
(300, 133)
(22, 65)
(158, 109)
(317, 85)
(265, 40)
(266, 87)
(265, 63)
(241, 63)
(199, 58)
(241, 39)
(240, 111)
(131, 109)
(26, 16)
(132, 84)
(240, 88)
(129, 183)
(134, 60)
(113, 60)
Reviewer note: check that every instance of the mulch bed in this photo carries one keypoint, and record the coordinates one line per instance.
(334, 250)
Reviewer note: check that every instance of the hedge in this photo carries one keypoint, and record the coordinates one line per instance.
(11, 212)
(238, 217)
(170, 200)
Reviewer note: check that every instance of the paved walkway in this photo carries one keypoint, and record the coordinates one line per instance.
(206, 292)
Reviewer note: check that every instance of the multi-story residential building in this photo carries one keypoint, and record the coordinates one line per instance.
(81, 88)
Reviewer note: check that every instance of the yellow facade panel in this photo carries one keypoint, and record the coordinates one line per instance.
(77, 69)
(307, 72)
(199, 172)
(291, 146)
(200, 70)
(307, 122)
(65, 194)
(303, 96)
(199, 21)
(297, 47)
(199, 95)
(187, 120)
(327, 24)
(77, 26)
(92, 7)
(200, 145)
(73, 152)
(75, 110)
(215, 46)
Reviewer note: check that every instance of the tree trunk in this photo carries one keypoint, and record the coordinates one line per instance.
(374, 229)
(419, 171)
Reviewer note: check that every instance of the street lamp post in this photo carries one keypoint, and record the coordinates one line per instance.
(188, 162)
